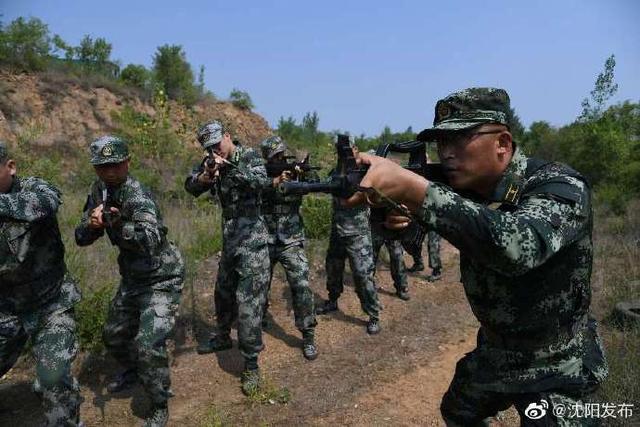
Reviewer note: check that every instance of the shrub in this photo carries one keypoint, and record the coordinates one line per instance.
(136, 75)
(92, 312)
(316, 212)
(241, 99)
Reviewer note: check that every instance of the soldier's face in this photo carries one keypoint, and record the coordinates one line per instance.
(475, 161)
(7, 172)
(113, 174)
(277, 158)
(225, 148)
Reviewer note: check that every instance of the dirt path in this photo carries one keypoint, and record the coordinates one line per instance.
(397, 377)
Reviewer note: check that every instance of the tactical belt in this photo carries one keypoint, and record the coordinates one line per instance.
(534, 340)
(240, 211)
(280, 209)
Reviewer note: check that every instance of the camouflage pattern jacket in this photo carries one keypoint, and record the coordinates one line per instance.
(282, 214)
(525, 261)
(146, 256)
(349, 221)
(31, 249)
(239, 188)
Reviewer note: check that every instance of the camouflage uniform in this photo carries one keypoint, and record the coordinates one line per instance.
(351, 237)
(396, 260)
(36, 296)
(525, 259)
(286, 246)
(142, 313)
(243, 272)
(433, 246)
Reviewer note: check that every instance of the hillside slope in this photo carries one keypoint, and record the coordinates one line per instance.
(48, 109)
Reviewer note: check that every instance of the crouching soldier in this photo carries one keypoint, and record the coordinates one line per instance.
(142, 314)
(286, 243)
(36, 295)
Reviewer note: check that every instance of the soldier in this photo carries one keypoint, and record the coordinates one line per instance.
(396, 262)
(237, 176)
(523, 228)
(286, 244)
(37, 296)
(433, 248)
(435, 263)
(142, 313)
(351, 237)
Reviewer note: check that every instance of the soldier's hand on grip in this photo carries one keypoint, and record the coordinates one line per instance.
(95, 220)
(391, 180)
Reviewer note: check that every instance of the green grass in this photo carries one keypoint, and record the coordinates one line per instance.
(616, 265)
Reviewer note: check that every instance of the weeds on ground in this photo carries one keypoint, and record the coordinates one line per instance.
(616, 266)
(269, 393)
(214, 418)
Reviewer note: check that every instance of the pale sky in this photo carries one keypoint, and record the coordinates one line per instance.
(366, 64)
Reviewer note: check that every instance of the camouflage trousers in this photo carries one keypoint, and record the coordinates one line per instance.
(359, 250)
(139, 323)
(52, 329)
(296, 267)
(469, 402)
(241, 293)
(433, 246)
(396, 260)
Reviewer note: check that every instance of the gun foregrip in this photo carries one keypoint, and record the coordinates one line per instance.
(302, 188)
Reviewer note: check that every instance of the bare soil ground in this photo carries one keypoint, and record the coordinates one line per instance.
(395, 378)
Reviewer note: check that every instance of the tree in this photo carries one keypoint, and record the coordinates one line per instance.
(604, 89)
(136, 75)
(288, 129)
(97, 51)
(94, 56)
(63, 47)
(25, 45)
(310, 123)
(515, 125)
(386, 137)
(540, 141)
(174, 73)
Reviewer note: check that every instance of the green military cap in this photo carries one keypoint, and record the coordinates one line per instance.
(108, 149)
(272, 146)
(4, 152)
(468, 108)
(210, 134)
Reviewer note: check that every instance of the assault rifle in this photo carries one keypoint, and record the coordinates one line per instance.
(343, 182)
(346, 178)
(295, 167)
(108, 217)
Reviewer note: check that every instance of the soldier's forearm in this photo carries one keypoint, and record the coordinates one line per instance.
(196, 188)
(140, 237)
(85, 235)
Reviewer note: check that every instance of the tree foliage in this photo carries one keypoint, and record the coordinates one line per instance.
(136, 75)
(174, 73)
(603, 90)
(603, 143)
(25, 45)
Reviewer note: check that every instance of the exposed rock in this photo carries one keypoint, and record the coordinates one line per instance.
(48, 108)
